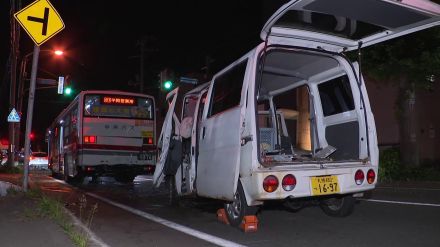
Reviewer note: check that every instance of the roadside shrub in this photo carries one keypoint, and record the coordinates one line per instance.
(11, 169)
(390, 168)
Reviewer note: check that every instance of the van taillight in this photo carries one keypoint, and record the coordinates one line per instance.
(359, 177)
(90, 139)
(150, 140)
(270, 183)
(289, 182)
(371, 176)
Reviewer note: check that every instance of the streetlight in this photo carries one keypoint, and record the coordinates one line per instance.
(21, 89)
(23, 73)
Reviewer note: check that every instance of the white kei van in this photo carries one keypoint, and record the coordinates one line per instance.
(291, 119)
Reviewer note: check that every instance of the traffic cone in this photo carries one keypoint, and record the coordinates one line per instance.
(221, 216)
(249, 223)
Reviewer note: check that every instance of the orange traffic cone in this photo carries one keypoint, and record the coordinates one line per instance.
(249, 223)
(221, 216)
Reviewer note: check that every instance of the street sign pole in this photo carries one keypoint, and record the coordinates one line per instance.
(41, 21)
(29, 115)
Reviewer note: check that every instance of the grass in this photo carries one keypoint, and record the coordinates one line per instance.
(54, 209)
(11, 169)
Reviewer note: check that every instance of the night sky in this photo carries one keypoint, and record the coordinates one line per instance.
(101, 40)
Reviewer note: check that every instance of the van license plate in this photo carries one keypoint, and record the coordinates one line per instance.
(324, 185)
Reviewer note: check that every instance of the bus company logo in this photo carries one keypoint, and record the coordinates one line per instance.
(118, 100)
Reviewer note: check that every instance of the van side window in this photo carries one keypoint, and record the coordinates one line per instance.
(336, 96)
(226, 92)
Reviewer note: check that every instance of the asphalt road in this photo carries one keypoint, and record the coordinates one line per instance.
(138, 215)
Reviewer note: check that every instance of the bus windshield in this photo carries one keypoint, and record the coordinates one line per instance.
(118, 106)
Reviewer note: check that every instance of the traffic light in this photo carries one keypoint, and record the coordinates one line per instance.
(166, 80)
(167, 85)
(67, 90)
(32, 136)
(67, 87)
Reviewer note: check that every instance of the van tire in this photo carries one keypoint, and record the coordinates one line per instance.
(238, 208)
(338, 206)
(293, 205)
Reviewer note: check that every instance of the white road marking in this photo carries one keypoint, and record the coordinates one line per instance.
(170, 224)
(405, 203)
(406, 188)
(91, 235)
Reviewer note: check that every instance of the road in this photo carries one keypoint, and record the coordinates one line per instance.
(138, 215)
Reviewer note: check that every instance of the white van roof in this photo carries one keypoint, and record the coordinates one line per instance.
(341, 25)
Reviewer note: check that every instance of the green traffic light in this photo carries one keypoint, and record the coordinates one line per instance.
(168, 84)
(67, 91)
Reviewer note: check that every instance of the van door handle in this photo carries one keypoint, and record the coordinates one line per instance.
(203, 132)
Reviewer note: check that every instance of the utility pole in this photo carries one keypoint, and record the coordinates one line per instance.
(29, 116)
(141, 72)
(15, 38)
(146, 45)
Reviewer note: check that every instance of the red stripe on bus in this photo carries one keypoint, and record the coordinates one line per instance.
(115, 147)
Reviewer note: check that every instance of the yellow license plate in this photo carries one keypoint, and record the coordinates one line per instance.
(324, 185)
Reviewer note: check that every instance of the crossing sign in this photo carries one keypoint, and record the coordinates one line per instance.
(13, 116)
(40, 20)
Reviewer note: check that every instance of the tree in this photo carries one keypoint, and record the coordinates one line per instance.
(413, 63)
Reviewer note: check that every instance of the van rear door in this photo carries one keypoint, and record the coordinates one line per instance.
(344, 25)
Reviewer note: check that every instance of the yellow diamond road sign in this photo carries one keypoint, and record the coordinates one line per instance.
(40, 20)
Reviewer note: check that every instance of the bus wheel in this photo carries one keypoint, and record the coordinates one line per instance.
(65, 172)
(238, 208)
(78, 179)
(338, 206)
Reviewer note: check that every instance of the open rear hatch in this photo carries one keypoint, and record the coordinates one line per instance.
(344, 25)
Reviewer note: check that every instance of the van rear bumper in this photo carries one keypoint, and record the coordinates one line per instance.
(303, 188)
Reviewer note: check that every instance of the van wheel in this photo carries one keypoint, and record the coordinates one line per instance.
(293, 205)
(338, 206)
(238, 208)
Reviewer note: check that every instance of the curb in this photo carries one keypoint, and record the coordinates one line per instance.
(93, 240)
(5, 186)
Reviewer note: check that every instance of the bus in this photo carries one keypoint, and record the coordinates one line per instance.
(104, 133)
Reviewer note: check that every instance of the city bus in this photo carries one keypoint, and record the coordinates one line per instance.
(104, 133)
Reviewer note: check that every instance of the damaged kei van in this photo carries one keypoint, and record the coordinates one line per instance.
(291, 119)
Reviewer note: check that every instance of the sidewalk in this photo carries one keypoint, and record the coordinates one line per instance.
(21, 225)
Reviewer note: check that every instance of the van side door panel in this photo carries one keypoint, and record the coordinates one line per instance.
(219, 137)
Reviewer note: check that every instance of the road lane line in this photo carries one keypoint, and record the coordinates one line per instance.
(170, 224)
(405, 203)
(407, 188)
